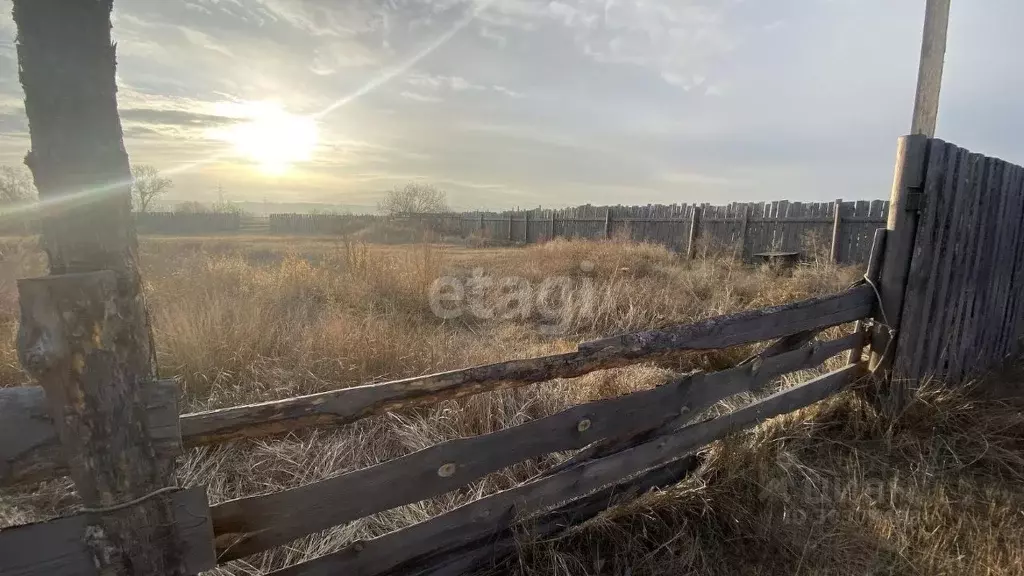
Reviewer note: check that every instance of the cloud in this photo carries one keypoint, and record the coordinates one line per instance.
(420, 97)
(174, 117)
(542, 101)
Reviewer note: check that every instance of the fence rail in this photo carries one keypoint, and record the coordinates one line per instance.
(963, 263)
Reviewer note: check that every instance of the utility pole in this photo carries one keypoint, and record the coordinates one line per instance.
(929, 75)
(903, 215)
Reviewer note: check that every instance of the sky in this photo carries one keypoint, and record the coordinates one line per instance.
(525, 103)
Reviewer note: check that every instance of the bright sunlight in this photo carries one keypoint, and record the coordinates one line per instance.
(271, 137)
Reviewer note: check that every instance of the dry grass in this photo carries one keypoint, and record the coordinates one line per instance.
(244, 320)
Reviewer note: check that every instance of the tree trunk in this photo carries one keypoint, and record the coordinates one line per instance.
(85, 332)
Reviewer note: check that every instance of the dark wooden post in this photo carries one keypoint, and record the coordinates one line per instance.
(84, 329)
(899, 245)
(607, 222)
(691, 245)
(874, 270)
(837, 220)
(526, 227)
(552, 223)
(744, 222)
(509, 225)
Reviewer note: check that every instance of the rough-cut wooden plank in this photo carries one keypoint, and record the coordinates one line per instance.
(249, 525)
(30, 450)
(987, 266)
(489, 515)
(691, 242)
(744, 224)
(1002, 258)
(490, 551)
(1009, 328)
(837, 222)
(348, 405)
(937, 208)
(748, 326)
(965, 261)
(779, 358)
(909, 177)
(58, 547)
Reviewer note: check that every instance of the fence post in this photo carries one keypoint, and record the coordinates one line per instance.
(509, 225)
(608, 223)
(526, 227)
(84, 331)
(691, 245)
(908, 179)
(874, 268)
(743, 229)
(552, 223)
(837, 220)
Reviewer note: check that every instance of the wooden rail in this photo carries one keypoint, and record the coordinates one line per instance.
(476, 520)
(250, 525)
(36, 457)
(24, 461)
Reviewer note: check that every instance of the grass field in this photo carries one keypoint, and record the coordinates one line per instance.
(833, 489)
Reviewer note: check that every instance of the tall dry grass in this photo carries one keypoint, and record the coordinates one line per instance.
(247, 320)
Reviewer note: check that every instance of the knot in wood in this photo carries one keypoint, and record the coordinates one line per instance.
(583, 425)
(446, 470)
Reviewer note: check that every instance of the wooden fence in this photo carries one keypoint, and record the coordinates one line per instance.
(756, 227)
(966, 276)
(948, 208)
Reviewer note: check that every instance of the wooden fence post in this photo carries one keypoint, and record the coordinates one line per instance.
(509, 225)
(744, 222)
(84, 331)
(899, 245)
(837, 221)
(552, 223)
(691, 245)
(526, 227)
(608, 223)
(874, 269)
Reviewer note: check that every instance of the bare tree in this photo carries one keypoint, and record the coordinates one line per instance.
(414, 198)
(147, 185)
(16, 185)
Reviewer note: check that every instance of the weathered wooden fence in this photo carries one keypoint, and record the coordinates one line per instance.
(648, 431)
(946, 271)
(963, 305)
(746, 229)
(752, 227)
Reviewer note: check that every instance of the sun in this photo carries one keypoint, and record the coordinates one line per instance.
(271, 137)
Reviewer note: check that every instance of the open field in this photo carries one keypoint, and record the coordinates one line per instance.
(833, 489)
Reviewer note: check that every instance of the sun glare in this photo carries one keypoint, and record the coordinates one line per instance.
(270, 137)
